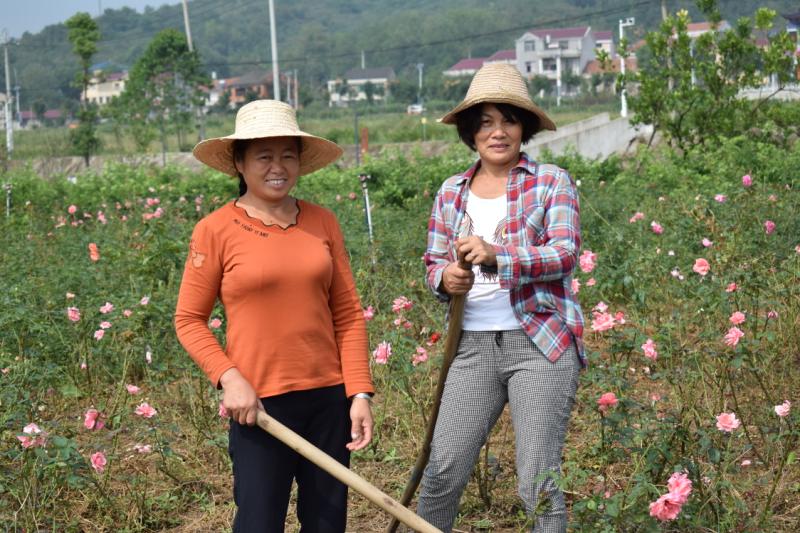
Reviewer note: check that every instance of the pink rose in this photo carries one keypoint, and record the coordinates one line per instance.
(747, 181)
(146, 410)
(98, 460)
(94, 253)
(215, 323)
(746, 462)
(706, 243)
(132, 389)
(602, 322)
(636, 216)
(92, 420)
(105, 324)
(733, 336)
(143, 448)
(665, 508)
(609, 399)
(382, 353)
(127, 313)
(657, 228)
(73, 313)
(107, 308)
(649, 348)
(769, 227)
(727, 422)
(32, 436)
(701, 266)
(352, 196)
(772, 314)
(721, 198)
(737, 318)
(590, 282)
(72, 209)
(680, 486)
(401, 303)
(783, 409)
(145, 300)
(731, 287)
(587, 260)
(420, 356)
(369, 313)
(576, 286)
(601, 307)
(99, 334)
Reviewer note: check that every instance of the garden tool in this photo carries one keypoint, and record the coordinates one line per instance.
(455, 316)
(342, 473)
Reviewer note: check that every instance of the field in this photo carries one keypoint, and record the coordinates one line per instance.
(335, 124)
(693, 315)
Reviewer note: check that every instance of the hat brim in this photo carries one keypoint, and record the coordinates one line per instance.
(316, 153)
(545, 122)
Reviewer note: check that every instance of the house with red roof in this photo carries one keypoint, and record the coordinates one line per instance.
(465, 67)
(604, 40)
(503, 56)
(105, 86)
(541, 51)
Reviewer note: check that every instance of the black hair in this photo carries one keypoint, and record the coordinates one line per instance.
(468, 121)
(239, 149)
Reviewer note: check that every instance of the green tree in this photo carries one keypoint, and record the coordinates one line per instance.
(165, 87)
(83, 33)
(39, 109)
(690, 89)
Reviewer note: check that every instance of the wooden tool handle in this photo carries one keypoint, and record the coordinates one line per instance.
(342, 473)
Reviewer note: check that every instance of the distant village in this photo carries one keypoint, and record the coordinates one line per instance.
(551, 53)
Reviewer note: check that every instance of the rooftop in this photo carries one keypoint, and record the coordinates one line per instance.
(561, 33)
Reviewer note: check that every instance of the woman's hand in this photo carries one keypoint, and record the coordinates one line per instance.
(361, 428)
(476, 251)
(456, 280)
(240, 399)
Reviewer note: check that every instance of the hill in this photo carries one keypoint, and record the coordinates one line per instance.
(322, 39)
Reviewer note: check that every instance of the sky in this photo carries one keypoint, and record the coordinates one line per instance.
(19, 16)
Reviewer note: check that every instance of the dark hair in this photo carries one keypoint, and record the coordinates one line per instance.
(468, 121)
(240, 147)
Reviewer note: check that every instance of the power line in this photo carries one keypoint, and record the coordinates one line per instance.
(409, 46)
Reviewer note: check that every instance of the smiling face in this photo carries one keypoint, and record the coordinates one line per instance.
(499, 138)
(270, 168)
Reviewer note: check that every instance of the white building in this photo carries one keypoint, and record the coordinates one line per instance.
(103, 87)
(356, 84)
(465, 67)
(539, 51)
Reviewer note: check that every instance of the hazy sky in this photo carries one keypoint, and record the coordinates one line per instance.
(19, 16)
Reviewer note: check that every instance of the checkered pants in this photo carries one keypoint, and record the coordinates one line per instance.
(490, 369)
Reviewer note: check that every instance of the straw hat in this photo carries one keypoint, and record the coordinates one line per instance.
(262, 119)
(499, 83)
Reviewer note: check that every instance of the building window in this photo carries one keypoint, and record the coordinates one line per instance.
(563, 44)
(530, 46)
(549, 64)
(528, 67)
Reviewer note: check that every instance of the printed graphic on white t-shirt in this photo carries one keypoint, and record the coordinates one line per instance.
(488, 306)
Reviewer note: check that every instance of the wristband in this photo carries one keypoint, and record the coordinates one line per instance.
(364, 395)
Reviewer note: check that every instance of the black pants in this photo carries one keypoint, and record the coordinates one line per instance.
(263, 467)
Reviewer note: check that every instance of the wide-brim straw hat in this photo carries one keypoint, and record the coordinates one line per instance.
(499, 83)
(263, 119)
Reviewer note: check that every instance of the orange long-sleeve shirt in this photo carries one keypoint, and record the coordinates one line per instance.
(294, 319)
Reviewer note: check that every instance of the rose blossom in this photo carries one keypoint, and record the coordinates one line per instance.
(636, 216)
(649, 348)
(727, 422)
(98, 460)
(737, 318)
(609, 399)
(665, 508)
(657, 228)
(92, 420)
(701, 266)
(401, 303)
(94, 253)
(420, 356)
(769, 227)
(706, 243)
(382, 353)
(602, 322)
(733, 336)
(132, 389)
(107, 308)
(747, 181)
(782, 410)
(731, 287)
(215, 323)
(680, 486)
(146, 410)
(721, 198)
(587, 261)
(73, 313)
(369, 313)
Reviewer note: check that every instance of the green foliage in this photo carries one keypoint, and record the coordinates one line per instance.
(84, 34)
(690, 89)
(616, 462)
(163, 93)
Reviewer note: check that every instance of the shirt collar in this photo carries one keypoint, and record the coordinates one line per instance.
(525, 163)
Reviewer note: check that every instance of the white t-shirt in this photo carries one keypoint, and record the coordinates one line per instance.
(487, 307)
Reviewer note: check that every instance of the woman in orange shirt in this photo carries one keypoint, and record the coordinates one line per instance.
(296, 337)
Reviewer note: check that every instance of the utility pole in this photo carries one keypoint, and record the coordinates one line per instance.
(630, 21)
(420, 66)
(16, 95)
(558, 77)
(186, 26)
(9, 122)
(363, 60)
(276, 82)
(296, 104)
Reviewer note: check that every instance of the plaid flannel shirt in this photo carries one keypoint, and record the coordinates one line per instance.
(539, 253)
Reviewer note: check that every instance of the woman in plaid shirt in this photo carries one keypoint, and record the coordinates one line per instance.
(517, 222)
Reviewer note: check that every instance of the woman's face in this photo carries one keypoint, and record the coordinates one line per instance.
(498, 140)
(270, 168)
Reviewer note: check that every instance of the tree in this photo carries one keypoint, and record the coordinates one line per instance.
(165, 86)
(369, 91)
(690, 90)
(83, 33)
(39, 109)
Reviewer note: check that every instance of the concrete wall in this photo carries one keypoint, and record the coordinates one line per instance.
(598, 136)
